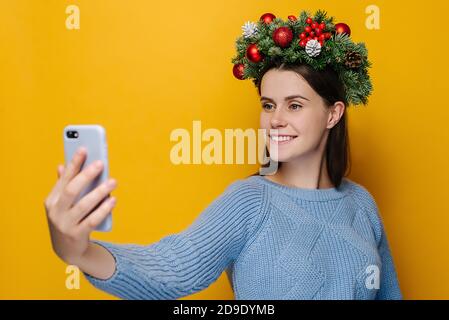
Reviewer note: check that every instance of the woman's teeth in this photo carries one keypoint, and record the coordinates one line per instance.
(282, 138)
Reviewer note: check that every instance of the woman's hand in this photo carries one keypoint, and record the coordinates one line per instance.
(71, 224)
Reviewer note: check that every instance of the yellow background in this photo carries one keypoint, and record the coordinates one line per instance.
(144, 68)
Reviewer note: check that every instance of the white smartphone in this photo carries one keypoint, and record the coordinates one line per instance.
(93, 138)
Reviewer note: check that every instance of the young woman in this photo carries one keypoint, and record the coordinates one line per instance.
(304, 232)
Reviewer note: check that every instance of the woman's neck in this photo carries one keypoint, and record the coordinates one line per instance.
(309, 172)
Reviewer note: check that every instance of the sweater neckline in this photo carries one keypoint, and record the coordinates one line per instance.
(306, 193)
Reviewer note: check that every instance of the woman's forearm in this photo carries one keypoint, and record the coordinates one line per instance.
(97, 262)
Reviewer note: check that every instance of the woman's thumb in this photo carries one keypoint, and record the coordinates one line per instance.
(60, 170)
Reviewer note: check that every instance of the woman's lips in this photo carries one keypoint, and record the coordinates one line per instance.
(282, 139)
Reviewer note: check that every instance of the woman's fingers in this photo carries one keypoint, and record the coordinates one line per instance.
(74, 166)
(68, 172)
(97, 216)
(78, 183)
(91, 200)
(54, 193)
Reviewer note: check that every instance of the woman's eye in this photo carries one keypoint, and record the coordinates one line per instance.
(267, 106)
(295, 106)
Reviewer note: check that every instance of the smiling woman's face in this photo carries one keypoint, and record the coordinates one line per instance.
(292, 107)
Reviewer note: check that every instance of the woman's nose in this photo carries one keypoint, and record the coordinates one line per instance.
(277, 119)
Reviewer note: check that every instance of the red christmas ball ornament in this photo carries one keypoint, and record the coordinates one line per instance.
(342, 28)
(267, 18)
(282, 36)
(309, 20)
(292, 18)
(253, 54)
(237, 70)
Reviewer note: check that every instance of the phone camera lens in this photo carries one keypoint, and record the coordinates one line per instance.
(72, 134)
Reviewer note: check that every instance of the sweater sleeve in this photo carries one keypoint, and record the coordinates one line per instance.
(183, 263)
(389, 285)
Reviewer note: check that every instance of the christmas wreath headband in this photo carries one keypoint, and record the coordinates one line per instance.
(315, 41)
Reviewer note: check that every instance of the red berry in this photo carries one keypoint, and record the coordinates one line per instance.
(303, 35)
(292, 18)
(307, 29)
(314, 25)
(315, 38)
(312, 34)
(309, 38)
(309, 20)
(328, 35)
(322, 26)
(318, 31)
(322, 37)
(321, 42)
(303, 43)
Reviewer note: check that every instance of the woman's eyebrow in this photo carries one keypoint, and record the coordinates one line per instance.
(286, 98)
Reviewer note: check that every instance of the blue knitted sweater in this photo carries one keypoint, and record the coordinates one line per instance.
(273, 241)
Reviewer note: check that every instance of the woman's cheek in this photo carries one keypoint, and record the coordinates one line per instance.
(264, 122)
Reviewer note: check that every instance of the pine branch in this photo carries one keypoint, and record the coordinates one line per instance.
(353, 73)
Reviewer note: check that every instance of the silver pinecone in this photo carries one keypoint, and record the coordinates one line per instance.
(249, 29)
(313, 48)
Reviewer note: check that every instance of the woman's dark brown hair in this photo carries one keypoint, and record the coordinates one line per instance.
(326, 84)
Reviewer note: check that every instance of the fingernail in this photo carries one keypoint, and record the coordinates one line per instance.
(111, 182)
(81, 150)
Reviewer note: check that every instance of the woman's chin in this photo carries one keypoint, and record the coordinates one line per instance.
(281, 156)
(284, 155)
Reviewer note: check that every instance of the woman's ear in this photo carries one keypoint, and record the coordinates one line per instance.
(335, 113)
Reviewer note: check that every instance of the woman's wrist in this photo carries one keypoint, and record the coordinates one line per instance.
(97, 261)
